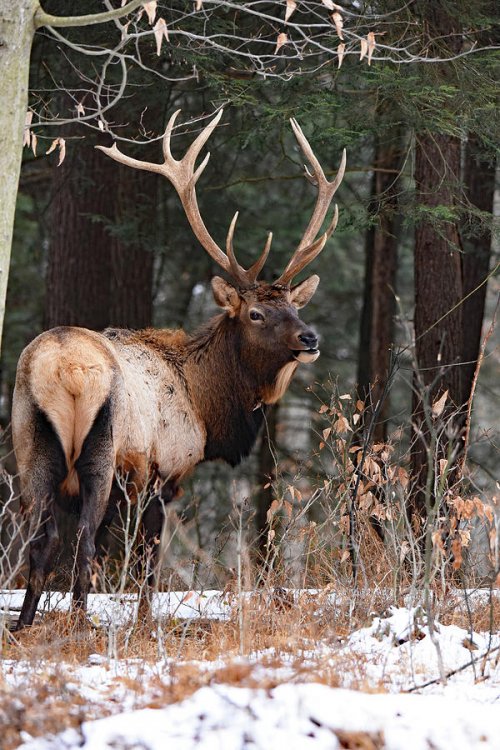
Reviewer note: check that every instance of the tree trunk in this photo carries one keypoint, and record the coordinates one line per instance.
(131, 301)
(438, 290)
(479, 179)
(16, 36)
(377, 318)
(79, 266)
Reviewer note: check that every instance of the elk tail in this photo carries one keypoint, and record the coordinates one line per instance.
(70, 385)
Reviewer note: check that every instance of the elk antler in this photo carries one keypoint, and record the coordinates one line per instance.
(183, 176)
(309, 247)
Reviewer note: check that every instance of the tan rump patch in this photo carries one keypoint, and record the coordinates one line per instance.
(70, 380)
(273, 393)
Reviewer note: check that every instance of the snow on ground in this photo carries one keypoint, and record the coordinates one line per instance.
(394, 654)
(295, 717)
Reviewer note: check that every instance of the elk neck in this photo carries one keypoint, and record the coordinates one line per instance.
(226, 380)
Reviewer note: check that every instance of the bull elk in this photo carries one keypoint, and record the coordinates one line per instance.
(151, 404)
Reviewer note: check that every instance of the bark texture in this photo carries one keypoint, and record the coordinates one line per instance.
(479, 179)
(377, 318)
(16, 35)
(438, 291)
(79, 265)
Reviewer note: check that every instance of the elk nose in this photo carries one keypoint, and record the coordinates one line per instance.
(309, 339)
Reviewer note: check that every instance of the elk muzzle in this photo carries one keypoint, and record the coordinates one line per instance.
(307, 351)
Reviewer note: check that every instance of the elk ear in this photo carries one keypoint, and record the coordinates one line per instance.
(226, 295)
(302, 293)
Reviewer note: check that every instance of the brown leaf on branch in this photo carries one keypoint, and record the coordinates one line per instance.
(370, 38)
(438, 406)
(364, 49)
(341, 53)
(291, 6)
(150, 8)
(160, 31)
(59, 143)
(199, 4)
(281, 40)
(27, 124)
(339, 24)
(80, 110)
(34, 141)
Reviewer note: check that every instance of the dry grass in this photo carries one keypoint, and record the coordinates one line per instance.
(279, 644)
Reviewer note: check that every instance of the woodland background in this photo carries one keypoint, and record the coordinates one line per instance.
(413, 258)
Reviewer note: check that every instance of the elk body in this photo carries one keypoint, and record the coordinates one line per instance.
(149, 405)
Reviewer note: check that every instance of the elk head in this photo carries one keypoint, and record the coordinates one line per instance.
(266, 313)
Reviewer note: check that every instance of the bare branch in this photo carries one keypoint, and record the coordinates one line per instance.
(46, 19)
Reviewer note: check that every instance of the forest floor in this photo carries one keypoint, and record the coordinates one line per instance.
(293, 669)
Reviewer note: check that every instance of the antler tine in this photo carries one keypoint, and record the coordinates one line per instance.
(257, 267)
(183, 177)
(326, 189)
(245, 278)
(237, 271)
(302, 258)
(308, 247)
(167, 153)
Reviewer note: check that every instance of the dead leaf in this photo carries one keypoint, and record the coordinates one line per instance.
(59, 143)
(150, 8)
(339, 24)
(443, 464)
(326, 433)
(80, 109)
(438, 406)
(291, 6)
(341, 426)
(199, 4)
(370, 38)
(282, 39)
(344, 556)
(322, 409)
(273, 509)
(34, 141)
(364, 48)
(345, 397)
(27, 125)
(329, 4)
(101, 125)
(356, 418)
(341, 53)
(160, 31)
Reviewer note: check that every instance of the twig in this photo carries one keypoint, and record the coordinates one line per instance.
(452, 671)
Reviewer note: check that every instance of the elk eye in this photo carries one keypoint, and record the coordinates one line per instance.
(256, 315)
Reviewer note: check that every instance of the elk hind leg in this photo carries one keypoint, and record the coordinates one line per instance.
(94, 467)
(39, 492)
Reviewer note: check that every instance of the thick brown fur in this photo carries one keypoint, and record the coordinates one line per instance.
(88, 406)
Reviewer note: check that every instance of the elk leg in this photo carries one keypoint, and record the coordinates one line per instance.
(42, 482)
(43, 548)
(95, 473)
